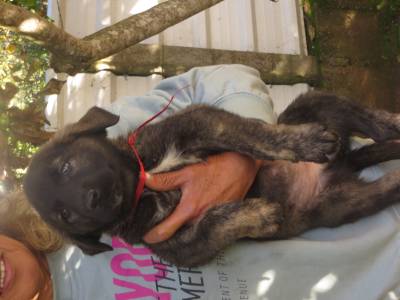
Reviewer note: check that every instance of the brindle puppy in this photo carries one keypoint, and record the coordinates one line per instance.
(83, 183)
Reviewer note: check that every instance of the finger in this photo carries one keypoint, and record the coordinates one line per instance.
(165, 181)
(170, 225)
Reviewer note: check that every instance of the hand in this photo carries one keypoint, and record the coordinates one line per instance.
(222, 178)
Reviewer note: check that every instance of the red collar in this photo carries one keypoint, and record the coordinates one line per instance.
(132, 141)
(142, 172)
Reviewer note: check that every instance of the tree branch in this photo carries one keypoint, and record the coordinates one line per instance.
(43, 32)
(72, 54)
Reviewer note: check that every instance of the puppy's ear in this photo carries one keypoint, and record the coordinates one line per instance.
(96, 120)
(90, 245)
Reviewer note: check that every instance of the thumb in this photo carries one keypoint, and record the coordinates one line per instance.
(165, 181)
(170, 225)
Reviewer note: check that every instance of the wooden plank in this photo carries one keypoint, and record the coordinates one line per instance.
(143, 60)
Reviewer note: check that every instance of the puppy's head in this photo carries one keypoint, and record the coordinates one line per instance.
(80, 183)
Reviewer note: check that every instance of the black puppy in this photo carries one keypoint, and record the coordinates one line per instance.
(83, 184)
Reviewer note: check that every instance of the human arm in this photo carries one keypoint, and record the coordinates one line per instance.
(221, 178)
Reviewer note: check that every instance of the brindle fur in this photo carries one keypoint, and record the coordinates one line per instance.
(269, 212)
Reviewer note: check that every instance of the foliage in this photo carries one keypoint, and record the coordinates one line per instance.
(22, 77)
(35, 5)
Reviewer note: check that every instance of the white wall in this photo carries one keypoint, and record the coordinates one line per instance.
(250, 25)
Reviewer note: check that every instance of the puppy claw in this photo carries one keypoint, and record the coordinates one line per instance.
(316, 144)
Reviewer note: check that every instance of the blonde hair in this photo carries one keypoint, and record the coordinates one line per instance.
(20, 221)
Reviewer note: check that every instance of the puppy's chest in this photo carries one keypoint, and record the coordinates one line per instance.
(170, 159)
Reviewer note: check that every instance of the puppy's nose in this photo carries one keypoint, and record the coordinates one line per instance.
(93, 199)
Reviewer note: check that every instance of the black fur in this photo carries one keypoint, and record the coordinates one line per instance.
(83, 184)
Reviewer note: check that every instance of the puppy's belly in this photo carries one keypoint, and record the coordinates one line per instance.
(299, 183)
(308, 180)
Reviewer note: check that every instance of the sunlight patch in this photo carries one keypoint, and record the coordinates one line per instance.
(349, 19)
(158, 70)
(325, 284)
(2, 188)
(392, 296)
(266, 282)
(78, 264)
(102, 65)
(142, 6)
(106, 21)
(69, 253)
(30, 25)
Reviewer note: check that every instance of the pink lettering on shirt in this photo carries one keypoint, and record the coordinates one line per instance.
(137, 263)
(137, 291)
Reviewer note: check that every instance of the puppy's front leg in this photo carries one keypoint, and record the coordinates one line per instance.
(204, 130)
(199, 243)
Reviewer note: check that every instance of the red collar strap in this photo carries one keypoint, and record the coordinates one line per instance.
(142, 173)
(132, 141)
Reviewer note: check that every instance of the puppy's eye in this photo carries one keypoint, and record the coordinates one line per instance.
(65, 215)
(66, 168)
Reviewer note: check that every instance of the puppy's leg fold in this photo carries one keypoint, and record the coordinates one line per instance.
(220, 227)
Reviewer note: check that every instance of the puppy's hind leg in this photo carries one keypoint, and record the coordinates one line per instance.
(220, 227)
(343, 116)
(345, 202)
(373, 154)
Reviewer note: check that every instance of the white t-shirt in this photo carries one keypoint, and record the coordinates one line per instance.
(235, 88)
(355, 261)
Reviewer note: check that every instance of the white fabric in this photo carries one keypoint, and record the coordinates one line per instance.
(235, 88)
(355, 261)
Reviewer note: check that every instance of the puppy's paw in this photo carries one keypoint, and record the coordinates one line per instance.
(388, 128)
(266, 218)
(315, 143)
